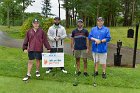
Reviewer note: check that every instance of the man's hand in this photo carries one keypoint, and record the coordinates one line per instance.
(72, 49)
(25, 51)
(57, 38)
(48, 51)
(87, 51)
(104, 40)
(93, 39)
(97, 41)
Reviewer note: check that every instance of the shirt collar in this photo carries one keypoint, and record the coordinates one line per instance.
(100, 28)
(36, 30)
(80, 30)
(56, 27)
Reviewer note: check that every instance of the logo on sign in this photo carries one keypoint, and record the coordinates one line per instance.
(45, 61)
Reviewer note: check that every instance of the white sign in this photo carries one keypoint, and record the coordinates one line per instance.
(52, 59)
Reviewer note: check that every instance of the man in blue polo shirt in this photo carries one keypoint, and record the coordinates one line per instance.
(100, 36)
(80, 46)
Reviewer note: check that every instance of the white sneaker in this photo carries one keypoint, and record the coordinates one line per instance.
(64, 71)
(48, 71)
(26, 78)
(37, 74)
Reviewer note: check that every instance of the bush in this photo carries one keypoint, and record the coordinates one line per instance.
(45, 23)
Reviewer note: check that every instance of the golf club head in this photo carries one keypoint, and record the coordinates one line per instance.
(75, 84)
(94, 84)
(26, 81)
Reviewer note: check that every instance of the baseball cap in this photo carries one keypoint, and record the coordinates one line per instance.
(35, 20)
(57, 18)
(80, 20)
(100, 18)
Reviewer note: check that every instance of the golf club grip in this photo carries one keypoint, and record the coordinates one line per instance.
(56, 36)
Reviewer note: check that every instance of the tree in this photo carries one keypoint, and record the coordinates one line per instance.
(16, 13)
(86, 10)
(6, 4)
(78, 9)
(131, 8)
(137, 10)
(25, 4)
(46, 9)
(10, 10)
(66, 7)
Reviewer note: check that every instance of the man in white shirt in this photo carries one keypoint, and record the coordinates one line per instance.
(56, 35)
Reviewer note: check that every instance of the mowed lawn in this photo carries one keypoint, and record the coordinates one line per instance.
(13, 31)
(13, 67)
(15, 85)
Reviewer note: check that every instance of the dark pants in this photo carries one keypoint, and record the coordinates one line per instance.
(56, 50)
(34, 55)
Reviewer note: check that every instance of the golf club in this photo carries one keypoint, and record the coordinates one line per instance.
(26, 81)
(94, 80)
(75, 72)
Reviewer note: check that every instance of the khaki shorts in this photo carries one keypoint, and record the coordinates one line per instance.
(80, 54)
(100, 57)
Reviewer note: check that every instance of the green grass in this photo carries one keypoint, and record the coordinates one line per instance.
(16, 85)
(13, 31)
(120, 33)
(13, 66)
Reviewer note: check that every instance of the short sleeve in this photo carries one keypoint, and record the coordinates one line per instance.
(72, 35)
(87, 33)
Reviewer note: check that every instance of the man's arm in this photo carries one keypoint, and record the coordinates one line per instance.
(72, 41)
(107, 38)
(87, 40)
(72, 44)
(50, 36)
(64, 34)
(45, 41)
(90, 36)
(25, 43)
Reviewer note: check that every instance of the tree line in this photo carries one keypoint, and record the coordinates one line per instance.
(12, 12)
(115, 12)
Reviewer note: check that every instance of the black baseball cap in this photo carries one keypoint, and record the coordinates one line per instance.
(35, 20)
(57, 18)
(100, 18)
(80, 20)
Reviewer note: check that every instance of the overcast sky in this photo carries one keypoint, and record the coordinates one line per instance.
(54, 10)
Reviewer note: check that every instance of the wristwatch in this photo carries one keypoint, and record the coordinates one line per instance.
(101, 41)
